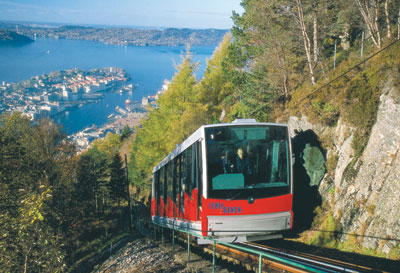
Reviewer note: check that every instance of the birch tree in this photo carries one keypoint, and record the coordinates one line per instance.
(387, 18)
(306, 39)
(370, 13)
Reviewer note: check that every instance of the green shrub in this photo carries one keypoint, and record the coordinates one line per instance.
(325, 112)
(331, 163)
(326, 234)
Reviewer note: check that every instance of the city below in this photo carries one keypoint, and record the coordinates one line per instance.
(47, 95)
(59, 91)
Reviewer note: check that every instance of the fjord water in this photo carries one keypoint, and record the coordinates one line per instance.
(148, 67)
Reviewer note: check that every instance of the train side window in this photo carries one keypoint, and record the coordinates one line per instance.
(194, 166)
(164, 187)
(157, 190)
(161, 184)
(174, 178)
(199, 177)
(169, 170)
(182, 179)
(189, 175)
(175, 183)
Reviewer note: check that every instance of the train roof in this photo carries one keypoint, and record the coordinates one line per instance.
(198, 134)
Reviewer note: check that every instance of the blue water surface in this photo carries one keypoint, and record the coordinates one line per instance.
(148, 67)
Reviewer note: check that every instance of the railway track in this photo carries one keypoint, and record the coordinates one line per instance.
(287, 261)
(313, 262)
(275, 259)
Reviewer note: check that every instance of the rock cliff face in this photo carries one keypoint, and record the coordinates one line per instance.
(363, 191)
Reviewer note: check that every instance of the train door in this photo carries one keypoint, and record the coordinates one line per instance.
(170, 196)
(192, 181)
(163, 192)
(181, 183)
(175, 187)
(199, 177)
(156, 194)
(189, 206)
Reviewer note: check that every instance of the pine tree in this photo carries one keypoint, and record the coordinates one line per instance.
(126, 132)
(117, 185)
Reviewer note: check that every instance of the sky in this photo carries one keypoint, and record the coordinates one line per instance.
(147, 13)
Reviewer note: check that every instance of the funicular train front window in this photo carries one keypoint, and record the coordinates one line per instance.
(244, 161)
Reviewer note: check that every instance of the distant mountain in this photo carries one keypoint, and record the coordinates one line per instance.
(11, 37)
(130, 36)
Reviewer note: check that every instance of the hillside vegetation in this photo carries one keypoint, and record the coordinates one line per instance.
(58, 209)
(285, 58)
(278, 62)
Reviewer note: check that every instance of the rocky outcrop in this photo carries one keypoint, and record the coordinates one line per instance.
(363, 191)
(370, 203)
(140, 255)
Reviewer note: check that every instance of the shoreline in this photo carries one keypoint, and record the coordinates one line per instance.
(83, 139)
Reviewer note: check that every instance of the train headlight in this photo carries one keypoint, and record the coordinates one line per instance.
(250, 200)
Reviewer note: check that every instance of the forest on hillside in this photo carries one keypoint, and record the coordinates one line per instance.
(58, 207)
(277, 54)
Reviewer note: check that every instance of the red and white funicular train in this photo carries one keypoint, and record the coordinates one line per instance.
(229, 181)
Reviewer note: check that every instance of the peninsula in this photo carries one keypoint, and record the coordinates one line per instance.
(8, 37)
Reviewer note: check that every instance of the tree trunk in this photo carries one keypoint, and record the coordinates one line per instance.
(376, 22)
(372, 24)
(389, 35)
(25, 263)
(282, 63)
(315, 38)
(306, 40)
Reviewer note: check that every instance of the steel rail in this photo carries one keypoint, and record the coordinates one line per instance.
(320, 258)
(310, 261)
(247, 249)
(276, 258)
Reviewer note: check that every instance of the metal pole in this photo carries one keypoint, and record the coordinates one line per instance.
(188, 247)
(155, 234)
(334, 57)
(173, 241)
(362, 44)
(214, 257)
(129, 196)
(260, 264)
(162, 235)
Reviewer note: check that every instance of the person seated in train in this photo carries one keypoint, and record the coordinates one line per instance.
(224, 162)
(218, 163)
(241, 164)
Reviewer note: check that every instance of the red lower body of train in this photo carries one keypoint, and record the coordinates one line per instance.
(226, 220)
